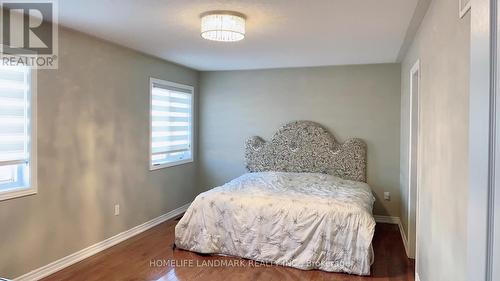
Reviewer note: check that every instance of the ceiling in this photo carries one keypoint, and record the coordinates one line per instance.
(280, 33)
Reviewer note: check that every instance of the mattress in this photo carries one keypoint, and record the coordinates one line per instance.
(302, 220)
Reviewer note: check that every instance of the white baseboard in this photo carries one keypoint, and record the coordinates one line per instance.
(403, 236)
(57, 265)
(394, 220)
(387, 219)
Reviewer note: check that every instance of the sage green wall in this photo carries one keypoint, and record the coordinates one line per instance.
(442, 45)
(92, 153)
(351, 101)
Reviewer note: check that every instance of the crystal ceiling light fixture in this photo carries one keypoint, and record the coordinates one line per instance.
(224, 26)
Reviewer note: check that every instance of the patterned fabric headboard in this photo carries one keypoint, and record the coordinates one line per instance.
(305, 146)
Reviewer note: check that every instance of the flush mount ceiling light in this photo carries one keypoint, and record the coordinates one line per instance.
(225, 26)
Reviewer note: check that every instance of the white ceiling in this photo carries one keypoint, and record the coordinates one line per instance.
(280, 33)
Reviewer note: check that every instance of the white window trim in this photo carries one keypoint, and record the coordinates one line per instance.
(152, 81)
(33, 189)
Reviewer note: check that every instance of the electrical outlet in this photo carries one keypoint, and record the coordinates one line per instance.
(387, 196)
(117, 209)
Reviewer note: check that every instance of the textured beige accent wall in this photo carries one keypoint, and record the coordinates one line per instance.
(442, 45)
(92, 153)
(351, 101)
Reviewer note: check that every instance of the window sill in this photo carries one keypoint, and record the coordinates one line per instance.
(15, 193)
(167, 165)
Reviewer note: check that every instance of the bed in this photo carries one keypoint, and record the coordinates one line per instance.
(304, 203)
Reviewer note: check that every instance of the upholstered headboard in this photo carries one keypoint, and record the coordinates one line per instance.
(305, 146)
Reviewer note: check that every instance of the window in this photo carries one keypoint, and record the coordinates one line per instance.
(17, 132)
(171, 124)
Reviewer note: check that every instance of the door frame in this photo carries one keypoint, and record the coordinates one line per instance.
(484, 178)
(414, 171)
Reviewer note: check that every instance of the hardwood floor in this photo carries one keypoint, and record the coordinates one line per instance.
(130, 260)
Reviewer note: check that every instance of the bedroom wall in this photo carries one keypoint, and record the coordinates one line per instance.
(442, 45)
(351, 101)
(92, 153)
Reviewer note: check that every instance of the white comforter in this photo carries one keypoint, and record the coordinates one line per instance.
(303, 220)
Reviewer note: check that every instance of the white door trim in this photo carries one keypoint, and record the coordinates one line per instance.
(412, 232)
(414, 171)
(493, 248)
(483, 154)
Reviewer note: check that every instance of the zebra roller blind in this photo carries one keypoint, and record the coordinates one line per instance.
(14, 115)
(171, 124)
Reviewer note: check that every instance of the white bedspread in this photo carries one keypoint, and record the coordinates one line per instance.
(303, 220)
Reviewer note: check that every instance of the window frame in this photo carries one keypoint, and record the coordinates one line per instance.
(33, 186)
(153, 81)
